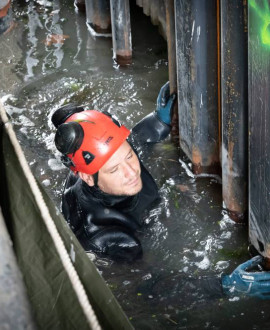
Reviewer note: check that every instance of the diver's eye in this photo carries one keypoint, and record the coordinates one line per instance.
(114, 169)
(130, 155)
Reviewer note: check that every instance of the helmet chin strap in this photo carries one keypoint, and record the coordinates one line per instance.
(95, 176)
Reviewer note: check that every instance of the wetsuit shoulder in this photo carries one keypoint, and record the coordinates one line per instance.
(70, 206)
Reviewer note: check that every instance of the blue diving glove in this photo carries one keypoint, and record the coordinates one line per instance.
(165, 103)
(251, 283)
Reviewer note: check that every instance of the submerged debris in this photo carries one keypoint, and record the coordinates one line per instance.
(55, 39)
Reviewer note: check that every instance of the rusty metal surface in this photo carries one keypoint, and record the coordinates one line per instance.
(196, 46)
(234, 89)
(121, 31)
(98, 15)
(157, 12)
(259, 123)
(170, 31)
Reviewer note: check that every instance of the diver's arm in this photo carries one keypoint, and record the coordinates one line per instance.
(116, 243)
(111, 233)
(157, 125)
(246, 280)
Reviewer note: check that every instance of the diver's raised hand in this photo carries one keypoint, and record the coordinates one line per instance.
(165, 103)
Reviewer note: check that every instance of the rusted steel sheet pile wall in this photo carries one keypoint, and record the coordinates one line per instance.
(121, 31)
(211, 75)
(224, 99)
(98, 16)
(259, 123)
(156, 11)
(234, 96)
(196, 49)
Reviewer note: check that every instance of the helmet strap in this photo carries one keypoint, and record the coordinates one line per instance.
(95, 176)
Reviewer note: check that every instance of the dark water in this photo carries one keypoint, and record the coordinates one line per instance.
(186, 236)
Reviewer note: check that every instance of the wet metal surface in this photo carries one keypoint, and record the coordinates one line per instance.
(234, 89)
(259, 118)
(188, 234)
(196, 47)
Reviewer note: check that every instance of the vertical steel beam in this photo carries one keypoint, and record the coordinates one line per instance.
(121, 31)
(196, 46)
(98, 16)
(5, 15)
(259, 123)
(234, 90)
(170, 31)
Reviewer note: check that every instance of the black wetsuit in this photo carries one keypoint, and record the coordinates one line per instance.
(106, 224)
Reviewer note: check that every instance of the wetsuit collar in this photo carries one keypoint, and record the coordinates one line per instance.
(119, 202)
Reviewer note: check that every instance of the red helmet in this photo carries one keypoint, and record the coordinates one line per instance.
(88, 139)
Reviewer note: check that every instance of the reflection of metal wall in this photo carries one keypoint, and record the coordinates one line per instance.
(259, 122)
(196, 46)
(234, 87)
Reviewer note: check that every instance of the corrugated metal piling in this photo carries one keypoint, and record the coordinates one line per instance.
(196, 47)
(170, 32)
(222, 92)
(234, 91)
(121, 31)
(98, 16)
(259, 123)
(5, 15)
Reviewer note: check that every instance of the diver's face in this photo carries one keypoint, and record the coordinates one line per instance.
(121, 174)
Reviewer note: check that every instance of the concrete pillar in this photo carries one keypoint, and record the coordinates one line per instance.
(121, 31)
(234, 91)
(5, 15)
(98, 16)
(259, 124)
(197, 72)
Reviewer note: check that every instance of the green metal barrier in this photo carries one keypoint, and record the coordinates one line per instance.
(259, 123)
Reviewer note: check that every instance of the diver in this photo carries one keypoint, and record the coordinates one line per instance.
(108, 188)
